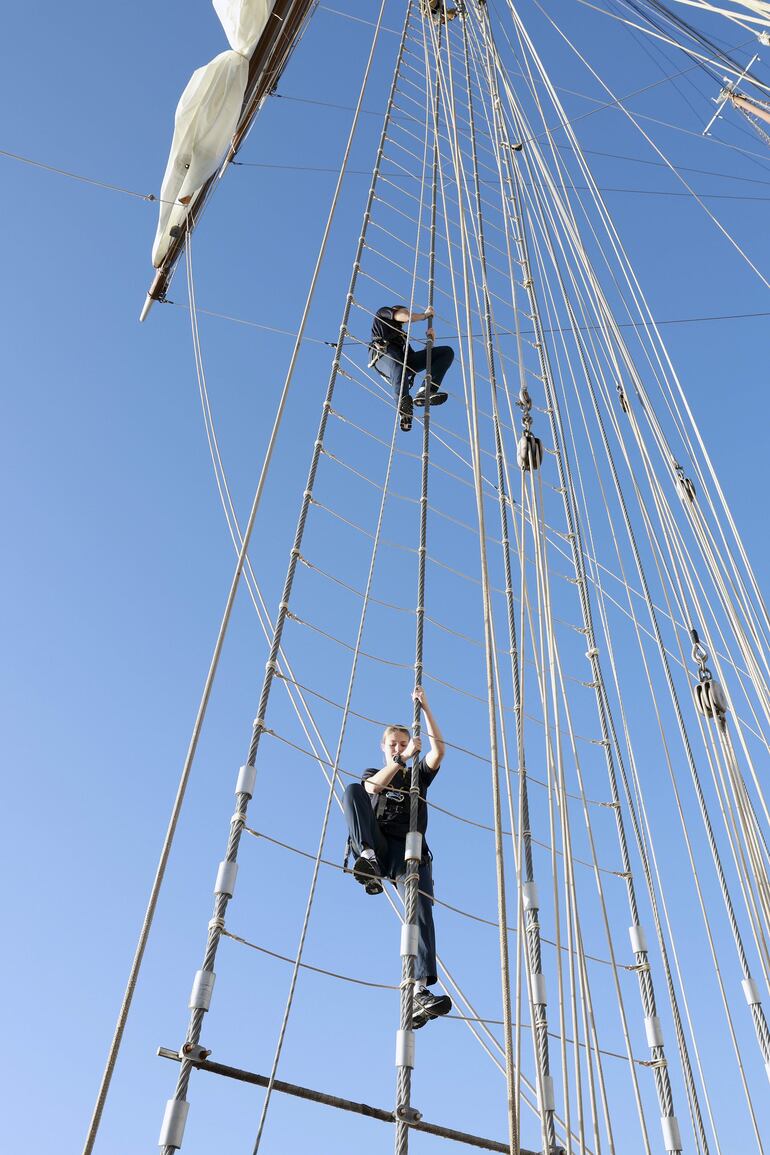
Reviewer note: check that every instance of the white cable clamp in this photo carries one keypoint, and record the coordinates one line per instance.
(529, 896)
(538, 990)
(653, 1031)
(547, 1103)
(172, 1127)
(413, 848)
(592, 653)
(247, 776)
(638, 939)
(751, 991)
(672, 1138)
(226, 876)
(405, 1048)
(202, 990)
(408, 939)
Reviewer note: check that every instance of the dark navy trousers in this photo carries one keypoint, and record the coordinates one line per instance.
(366, 831)
(392, 368)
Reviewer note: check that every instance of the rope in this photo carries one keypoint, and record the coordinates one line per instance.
(513, 1120)
(406, 1010)
(196, 1020)
(525, 861)
(470, 915)
(573, 326)
(197, 727)
(330, 798)
(567, 488)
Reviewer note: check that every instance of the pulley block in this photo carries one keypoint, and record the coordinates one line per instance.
(710, 698)
(686, 489)
(529, 452)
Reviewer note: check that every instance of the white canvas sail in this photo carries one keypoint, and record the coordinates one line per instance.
(207, 116)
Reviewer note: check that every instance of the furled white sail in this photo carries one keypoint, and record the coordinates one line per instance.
(243, 21)
(207, 116)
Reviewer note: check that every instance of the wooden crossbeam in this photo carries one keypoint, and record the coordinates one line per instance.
(342, 1104)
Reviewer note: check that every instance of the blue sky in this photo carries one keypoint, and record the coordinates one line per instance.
(117, 561)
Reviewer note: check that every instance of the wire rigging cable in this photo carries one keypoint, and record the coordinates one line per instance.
(618, 552)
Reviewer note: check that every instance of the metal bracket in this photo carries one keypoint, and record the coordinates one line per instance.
(195, 1052)
(408, 1114)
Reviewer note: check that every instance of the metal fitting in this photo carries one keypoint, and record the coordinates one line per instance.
(226, 876)
(653, 1031)
(638, 939)
(672, 1138)
(247, 776)
(172, 1127)
(413, 849)
(405, 1048)
(202, 990)
(530, 896)
(751, 991)
(547, 1103)
(195, 1052)
(538, 990)
(408, 939)
(408, 1114)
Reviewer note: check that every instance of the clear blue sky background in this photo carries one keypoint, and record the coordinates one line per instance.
(117, 560)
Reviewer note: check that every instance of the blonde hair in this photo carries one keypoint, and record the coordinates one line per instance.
(396, 729)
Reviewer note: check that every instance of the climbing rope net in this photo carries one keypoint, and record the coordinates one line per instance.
(551, 555)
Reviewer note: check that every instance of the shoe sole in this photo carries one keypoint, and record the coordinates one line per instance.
(364, 872)
(423, 1016)
(436, 399)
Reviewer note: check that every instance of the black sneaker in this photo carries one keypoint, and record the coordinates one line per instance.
(367, 872)
(437, 397)
(405, 409)
(428, 1006)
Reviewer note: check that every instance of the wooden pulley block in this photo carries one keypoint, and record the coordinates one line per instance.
(529, 452)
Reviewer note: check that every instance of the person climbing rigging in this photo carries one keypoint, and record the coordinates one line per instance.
(438, 9)
(377, 814)
(398, 363)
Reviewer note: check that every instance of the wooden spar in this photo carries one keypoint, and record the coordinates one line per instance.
(746, 103)
(268, 61)
(342, 1104)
